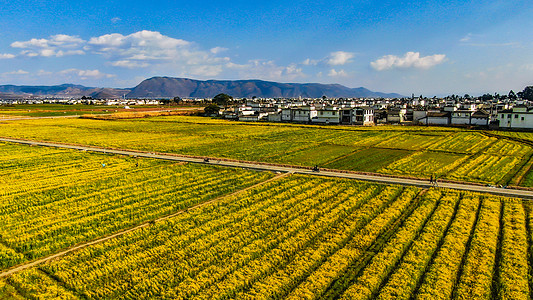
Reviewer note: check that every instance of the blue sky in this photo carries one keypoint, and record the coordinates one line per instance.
(420, 47)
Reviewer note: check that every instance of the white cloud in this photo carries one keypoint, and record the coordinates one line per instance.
(86, 74)
(160, 54)
(43, 73)
(310, 62)
(335, 73)
(116, 20)
(152, 49)
(336, 58)
(266, 70)
(217, 50)
(141, 41)
(339, 58)
(18, 72)
(129, 64)
(57, 45)
(6, 56)
(409, 60)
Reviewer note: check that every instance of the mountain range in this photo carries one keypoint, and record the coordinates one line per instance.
(168, 87)
(63, 90)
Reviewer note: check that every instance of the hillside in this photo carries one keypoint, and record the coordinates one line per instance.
(183, 87)
(167, 87)
(63, 90)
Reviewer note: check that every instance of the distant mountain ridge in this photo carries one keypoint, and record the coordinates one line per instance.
(63, 90)
(183, 87)
(168, 87)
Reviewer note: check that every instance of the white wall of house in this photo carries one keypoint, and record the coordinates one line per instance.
(516, 119)
(327, 116)
(418, 115)
(274, 117)
(246, 112)
(479, 121)
(303, 114)
(368, 116)
(286, 115)
(437, 120)
(461, 117)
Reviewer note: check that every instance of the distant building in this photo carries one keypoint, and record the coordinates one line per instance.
(461, 117)
(437, 118)
(480, 118)
(363, 115)
(519, 117)
(327, 115)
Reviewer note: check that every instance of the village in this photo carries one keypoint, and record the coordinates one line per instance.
(504, 112)
(487, 111)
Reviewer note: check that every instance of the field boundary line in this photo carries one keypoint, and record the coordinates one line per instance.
(518, 192)
(137, 227)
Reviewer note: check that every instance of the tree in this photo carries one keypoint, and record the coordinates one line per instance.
(511, 95)
(211, 109)
(527, 93)
(222, 100)
(487, 96)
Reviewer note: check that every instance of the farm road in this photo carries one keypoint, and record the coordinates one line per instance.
(142, 225)
(273, 168)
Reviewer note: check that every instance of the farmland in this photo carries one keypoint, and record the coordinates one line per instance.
(448, 153)
(50, 110)
(52, 199)
(306, 237)
(193, 231)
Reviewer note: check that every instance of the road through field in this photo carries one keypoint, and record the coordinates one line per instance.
(143, 225)
(288, 169)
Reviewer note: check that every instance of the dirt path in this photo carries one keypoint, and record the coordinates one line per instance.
(465, 186)
(121, 233)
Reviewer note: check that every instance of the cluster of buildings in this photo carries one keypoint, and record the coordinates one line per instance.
(88, 101)
(502, 112)
(495, 113)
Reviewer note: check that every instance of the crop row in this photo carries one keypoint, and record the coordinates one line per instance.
(308, 237)
(447, 153)
(62, 207)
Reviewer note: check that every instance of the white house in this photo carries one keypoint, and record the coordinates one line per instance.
(461, 117)
(327, 115)
(436, 118)
(419, 116)
(253, 118)
(480, 118)
(274, 117)
(518, 117)
(363, 115)
(303, 113)
(396, 115)
(286, 115)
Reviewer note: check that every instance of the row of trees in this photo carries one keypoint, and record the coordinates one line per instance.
(218, 101)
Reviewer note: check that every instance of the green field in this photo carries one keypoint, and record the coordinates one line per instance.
(448, 153)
